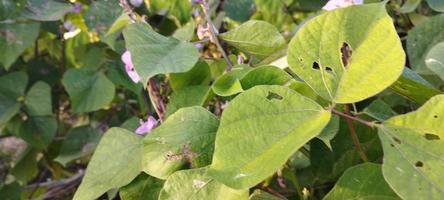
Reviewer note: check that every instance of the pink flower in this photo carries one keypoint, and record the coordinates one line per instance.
(129, 67)
(146, 127)
(333, 4)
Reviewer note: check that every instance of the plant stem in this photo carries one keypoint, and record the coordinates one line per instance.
(354, 118)
(294, 180)
(155, 98)
(214, 39)
(354, 136)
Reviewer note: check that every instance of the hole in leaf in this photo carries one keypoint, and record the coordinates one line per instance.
(300, 60)
(436, 116)
(431, 136)
(346, 53)
(328, 69)
(272, 95)
(316, 66)
(397, 140)
(419, 164)
(392, 145)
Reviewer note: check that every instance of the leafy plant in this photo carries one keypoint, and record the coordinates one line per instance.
(248, 99)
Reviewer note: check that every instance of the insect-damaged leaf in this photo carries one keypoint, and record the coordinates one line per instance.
(265, 124)
(413, 151)
(359, 56)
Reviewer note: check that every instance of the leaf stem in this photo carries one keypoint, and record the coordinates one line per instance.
(353, 134)
(214, 38)
(354, 118)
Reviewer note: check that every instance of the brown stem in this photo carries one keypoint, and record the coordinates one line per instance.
(354, 118)
(354, 136)
(156, 99)
(214, 39)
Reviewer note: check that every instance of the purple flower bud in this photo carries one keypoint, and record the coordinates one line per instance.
(77, 8)
(196, 1)
(146, 127)
(333, 4)
(240, 59)
(129, 67)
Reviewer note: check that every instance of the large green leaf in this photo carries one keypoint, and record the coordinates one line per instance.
(265, 75)
(265, 124)
(372, 57)
(14, 39)
(153, 53)
(38, 131)
(200, 74)
(186, 137)
(89, 90)
(79, 141)
(115, 163)
(421, 39)
(144, 187)
(38, 100)
(189, 96)
(10, 9)
(229, 83)
(12, 89)
(412, 86)
(435, 60)
(194, 184)
(364, 182)
(437, 5)
(239, 10)
(258, 38)
(46, 10)
(413, 151)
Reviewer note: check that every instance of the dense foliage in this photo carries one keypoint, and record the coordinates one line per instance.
(221, 99)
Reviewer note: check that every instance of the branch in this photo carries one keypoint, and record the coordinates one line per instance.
(354, 136)
(354, 118)
(214, 39)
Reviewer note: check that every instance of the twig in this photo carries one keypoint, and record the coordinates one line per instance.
(214, 39)
(128, 10)
(156, 99)
(354, 136)
(354, 118)
(293, 178)
(56, 183)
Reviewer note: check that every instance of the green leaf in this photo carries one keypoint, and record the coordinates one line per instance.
(435, 60)
(88, 90)
(413, 149)
(364, 181)
(101, 15)
(38, 101)
(412, 86)
(11, 191)
(115, 163)
(239, 10)
(307, 5)
(153, 53)
(379, 110)
(421, 39)
(38, 131)
(194, 184)
(12, 89)
(437, 5)
(258, 38)
(229, 84)
(79, 142)
(200, 74)
(14, 39)
(261, 195)
(273, 12)
(186, 137)
(144, 187)
(329, 131)
(10, 9)
(186, 97)
(46, 10)
(265, 75)
(26, 167)
(376, 60)
(265, 124)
